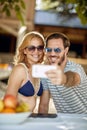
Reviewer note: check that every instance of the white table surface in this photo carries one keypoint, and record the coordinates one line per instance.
(61, 122)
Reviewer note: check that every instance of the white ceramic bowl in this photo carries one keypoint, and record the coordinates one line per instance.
(13, 118)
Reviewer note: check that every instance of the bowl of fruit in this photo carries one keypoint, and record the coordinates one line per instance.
(12, 111)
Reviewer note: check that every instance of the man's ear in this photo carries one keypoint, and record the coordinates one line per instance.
(66, 50)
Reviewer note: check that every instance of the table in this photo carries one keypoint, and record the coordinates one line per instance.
(61, 122)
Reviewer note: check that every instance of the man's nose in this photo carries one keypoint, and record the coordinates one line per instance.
(53, 52)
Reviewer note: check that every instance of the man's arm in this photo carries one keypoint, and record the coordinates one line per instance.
(68, 79)
(44, 102)
(72, 79)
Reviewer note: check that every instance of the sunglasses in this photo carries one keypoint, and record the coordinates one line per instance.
(56, 50)
(33, 48)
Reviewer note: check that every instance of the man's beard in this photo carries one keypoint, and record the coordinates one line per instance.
(62, 59)
(55, 61)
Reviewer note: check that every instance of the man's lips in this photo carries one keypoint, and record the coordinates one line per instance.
(53, 59)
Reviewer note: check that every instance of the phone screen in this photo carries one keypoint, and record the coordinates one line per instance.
(38, 71)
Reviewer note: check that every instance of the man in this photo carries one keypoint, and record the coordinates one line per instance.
(68, 83)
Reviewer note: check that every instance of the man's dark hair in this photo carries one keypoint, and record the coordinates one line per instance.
(58, 35)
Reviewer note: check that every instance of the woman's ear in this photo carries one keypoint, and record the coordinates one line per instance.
(25, 51)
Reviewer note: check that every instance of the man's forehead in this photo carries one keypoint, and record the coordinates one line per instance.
(55, 42)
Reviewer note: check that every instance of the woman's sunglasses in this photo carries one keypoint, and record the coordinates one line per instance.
(56, 50)
(33, 48)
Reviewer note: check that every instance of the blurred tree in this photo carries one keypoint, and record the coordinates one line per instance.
(81, 9)
(64, 6)
(6, 6)
(67, 7)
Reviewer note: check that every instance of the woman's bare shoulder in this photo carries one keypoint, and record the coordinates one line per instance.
(19, 68)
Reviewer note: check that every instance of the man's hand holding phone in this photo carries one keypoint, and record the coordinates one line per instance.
(39, 71)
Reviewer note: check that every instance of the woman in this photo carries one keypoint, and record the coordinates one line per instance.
(21, 84)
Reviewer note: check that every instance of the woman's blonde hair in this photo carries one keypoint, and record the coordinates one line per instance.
(20, 56)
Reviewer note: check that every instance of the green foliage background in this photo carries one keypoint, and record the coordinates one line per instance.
(80, 6)
(6, 6)
(81, 9)
(19, 6)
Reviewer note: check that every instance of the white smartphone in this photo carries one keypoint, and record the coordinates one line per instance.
(38, 71)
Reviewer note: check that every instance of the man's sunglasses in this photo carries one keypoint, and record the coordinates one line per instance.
(33, 48)
(56, 50)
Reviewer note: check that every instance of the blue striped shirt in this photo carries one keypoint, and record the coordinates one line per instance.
(69, 99)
